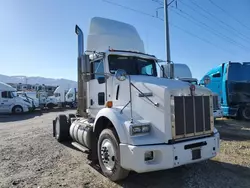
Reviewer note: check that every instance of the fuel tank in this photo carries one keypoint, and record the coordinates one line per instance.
(81, 131)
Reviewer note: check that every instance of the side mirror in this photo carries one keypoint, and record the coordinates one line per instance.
(121, 75)
(206, 80)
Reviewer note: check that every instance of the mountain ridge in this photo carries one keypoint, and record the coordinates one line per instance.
(38, 80)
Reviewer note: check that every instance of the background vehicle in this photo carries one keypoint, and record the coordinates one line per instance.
(27, 97)
(231, 81)
(62, 97)
(10, 102)
(130, 119)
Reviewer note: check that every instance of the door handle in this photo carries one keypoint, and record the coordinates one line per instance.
(2, 103)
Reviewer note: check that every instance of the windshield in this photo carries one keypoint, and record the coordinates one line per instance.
(57, 94)
(238, 72)
(13, 94)
(132, 65)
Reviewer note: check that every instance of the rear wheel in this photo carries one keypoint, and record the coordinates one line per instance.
(61, 128)
(245, 113)
(17, 110)
(109, 155)
(50, 106)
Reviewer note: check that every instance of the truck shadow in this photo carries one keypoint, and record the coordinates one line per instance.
(4, 118)
(206, 174)
(231, 129)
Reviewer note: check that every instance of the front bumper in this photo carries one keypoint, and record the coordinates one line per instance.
(217, 113)
(167, 156)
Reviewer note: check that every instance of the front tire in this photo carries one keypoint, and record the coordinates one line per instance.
(17, 110)
(109, 155)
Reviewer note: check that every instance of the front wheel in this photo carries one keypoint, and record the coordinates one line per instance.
(109, 155)
(17, 110)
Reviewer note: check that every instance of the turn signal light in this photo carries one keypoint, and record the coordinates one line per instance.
(109, 104)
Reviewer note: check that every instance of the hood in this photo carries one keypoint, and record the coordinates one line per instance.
(175, 87)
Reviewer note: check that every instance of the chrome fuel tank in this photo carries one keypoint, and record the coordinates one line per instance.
(81, 131)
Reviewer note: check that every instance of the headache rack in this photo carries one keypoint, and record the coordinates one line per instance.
(191, 116)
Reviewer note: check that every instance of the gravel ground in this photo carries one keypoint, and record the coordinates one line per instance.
(31, 157)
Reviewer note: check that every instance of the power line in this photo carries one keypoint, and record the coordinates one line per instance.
(223, 10)
(196, 36)
(219, 20)
(152, 16)
(158, 1)
(215, 32)
(125, 7)
(209, 18)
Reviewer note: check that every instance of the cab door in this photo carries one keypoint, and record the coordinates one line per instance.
(6, 101)
(96, 87)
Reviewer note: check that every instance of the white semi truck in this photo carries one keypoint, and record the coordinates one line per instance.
(10, 102)
(62, 97)
(129, 119)
(183, 72)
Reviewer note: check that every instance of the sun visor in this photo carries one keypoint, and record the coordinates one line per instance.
(106, 33)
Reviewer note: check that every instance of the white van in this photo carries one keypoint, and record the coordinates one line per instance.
(10, 102)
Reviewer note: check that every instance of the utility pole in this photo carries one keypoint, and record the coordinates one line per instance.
(167, 38)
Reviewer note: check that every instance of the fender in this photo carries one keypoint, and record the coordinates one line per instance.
(117, 120)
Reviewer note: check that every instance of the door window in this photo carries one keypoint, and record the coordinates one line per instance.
(98, 69)
(6, 95)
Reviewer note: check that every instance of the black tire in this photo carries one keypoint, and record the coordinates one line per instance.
(50, 106)
(61, 128)
(54, 128)
(244, 113)
(17, 109)
(117, 172)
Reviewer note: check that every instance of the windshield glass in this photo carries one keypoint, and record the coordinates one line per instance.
(57, 94)
(238, 72)
(132, 65)
(13, 94)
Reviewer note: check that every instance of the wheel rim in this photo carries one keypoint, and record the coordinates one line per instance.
(246, 113)
(18, 110)
(108, 154)
(57, 129)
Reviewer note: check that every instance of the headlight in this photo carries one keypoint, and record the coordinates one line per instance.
(139, 129)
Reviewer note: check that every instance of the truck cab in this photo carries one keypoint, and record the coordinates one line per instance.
(10, 102)
(130, 119)
(231, 81)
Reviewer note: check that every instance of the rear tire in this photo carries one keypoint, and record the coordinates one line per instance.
(109, 155)
(17, 109)
(245, 113)
(50, 106)
(61, 128)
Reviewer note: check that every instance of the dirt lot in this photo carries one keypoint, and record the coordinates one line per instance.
(31, 157)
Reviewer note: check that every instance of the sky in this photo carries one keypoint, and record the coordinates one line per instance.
(37, 37)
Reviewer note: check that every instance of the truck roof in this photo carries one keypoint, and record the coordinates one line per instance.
(106, 33)
(6, 87)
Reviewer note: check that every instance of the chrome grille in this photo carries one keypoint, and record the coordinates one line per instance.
(192, 116)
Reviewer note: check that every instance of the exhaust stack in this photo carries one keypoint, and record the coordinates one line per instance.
(82, 85)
